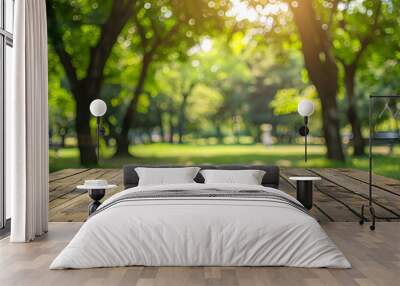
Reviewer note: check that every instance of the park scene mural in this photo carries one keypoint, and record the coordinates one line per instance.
(197, 82)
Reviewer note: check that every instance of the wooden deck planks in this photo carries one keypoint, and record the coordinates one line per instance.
(338, 197)
(55, 176)
(387, 204)
(63, 186)
(333, 204)
(383, 183)
(73, 203)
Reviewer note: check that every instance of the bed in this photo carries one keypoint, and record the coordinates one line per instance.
(197, 224)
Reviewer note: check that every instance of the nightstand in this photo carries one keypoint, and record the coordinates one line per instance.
(304, 190)
(96, 193)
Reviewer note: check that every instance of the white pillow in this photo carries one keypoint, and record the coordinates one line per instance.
(166, 176)
(248, 177)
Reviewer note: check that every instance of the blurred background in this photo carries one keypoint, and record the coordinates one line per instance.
(219, 82)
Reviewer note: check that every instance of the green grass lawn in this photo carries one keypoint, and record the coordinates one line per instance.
(281, 155)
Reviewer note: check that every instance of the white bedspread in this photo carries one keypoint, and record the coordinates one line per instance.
(193, 231)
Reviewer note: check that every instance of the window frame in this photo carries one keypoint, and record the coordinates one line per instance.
(6, 39)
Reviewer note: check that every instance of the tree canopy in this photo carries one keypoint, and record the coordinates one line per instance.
(170, 70)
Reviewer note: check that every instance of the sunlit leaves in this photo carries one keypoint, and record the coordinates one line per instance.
(285, 101)
(203, 105)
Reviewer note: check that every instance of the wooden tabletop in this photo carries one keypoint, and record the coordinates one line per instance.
(305, 178)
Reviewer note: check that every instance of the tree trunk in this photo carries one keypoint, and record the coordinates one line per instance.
(257, 138)
(62, 143)
(123, 139)
(236, 134)
(159, 113)
(219, 134)
(171, 129)
(150, 135)
(352, 113)
(331, 125)
(161, 126)
(322, 69)
(111, 129)
(182, 117)
(82, 124)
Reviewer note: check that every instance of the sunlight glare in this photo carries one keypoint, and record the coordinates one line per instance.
(206, 45)
(242, 11)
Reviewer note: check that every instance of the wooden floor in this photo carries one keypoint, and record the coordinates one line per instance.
(374, 255)
(337, 198)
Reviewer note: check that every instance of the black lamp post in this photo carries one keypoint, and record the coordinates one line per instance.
(305, 109)
(98, 108)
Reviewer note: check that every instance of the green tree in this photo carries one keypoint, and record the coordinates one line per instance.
(165, 29)
(322, 69)
(354, 29)
(61, 105)
(83, 33)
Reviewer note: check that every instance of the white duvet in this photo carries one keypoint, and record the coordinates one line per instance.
(193, 231)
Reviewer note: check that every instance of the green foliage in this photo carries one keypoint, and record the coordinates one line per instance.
(80, 23)
(203, 105)
(286, 100)
(240, 61)
(61, 104)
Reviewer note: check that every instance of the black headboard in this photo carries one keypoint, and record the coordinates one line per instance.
(270, 179)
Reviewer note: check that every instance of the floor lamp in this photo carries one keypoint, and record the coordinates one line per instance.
(305, 109)
(98, 108)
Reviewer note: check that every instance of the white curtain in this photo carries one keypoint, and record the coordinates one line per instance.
(27, 124)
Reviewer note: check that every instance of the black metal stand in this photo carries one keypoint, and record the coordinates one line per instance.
(304, 132)
(370, 155)
(305, 193)
(305, 139)
(96, 195)
(98, 139)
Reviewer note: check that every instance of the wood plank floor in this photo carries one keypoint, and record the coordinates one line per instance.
(337, 197)
(375, 259)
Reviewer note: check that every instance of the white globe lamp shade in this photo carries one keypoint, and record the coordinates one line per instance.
(305, 108)
(98, 107)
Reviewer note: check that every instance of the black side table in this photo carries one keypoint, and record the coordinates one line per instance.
(96, 194)
(305, 190)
